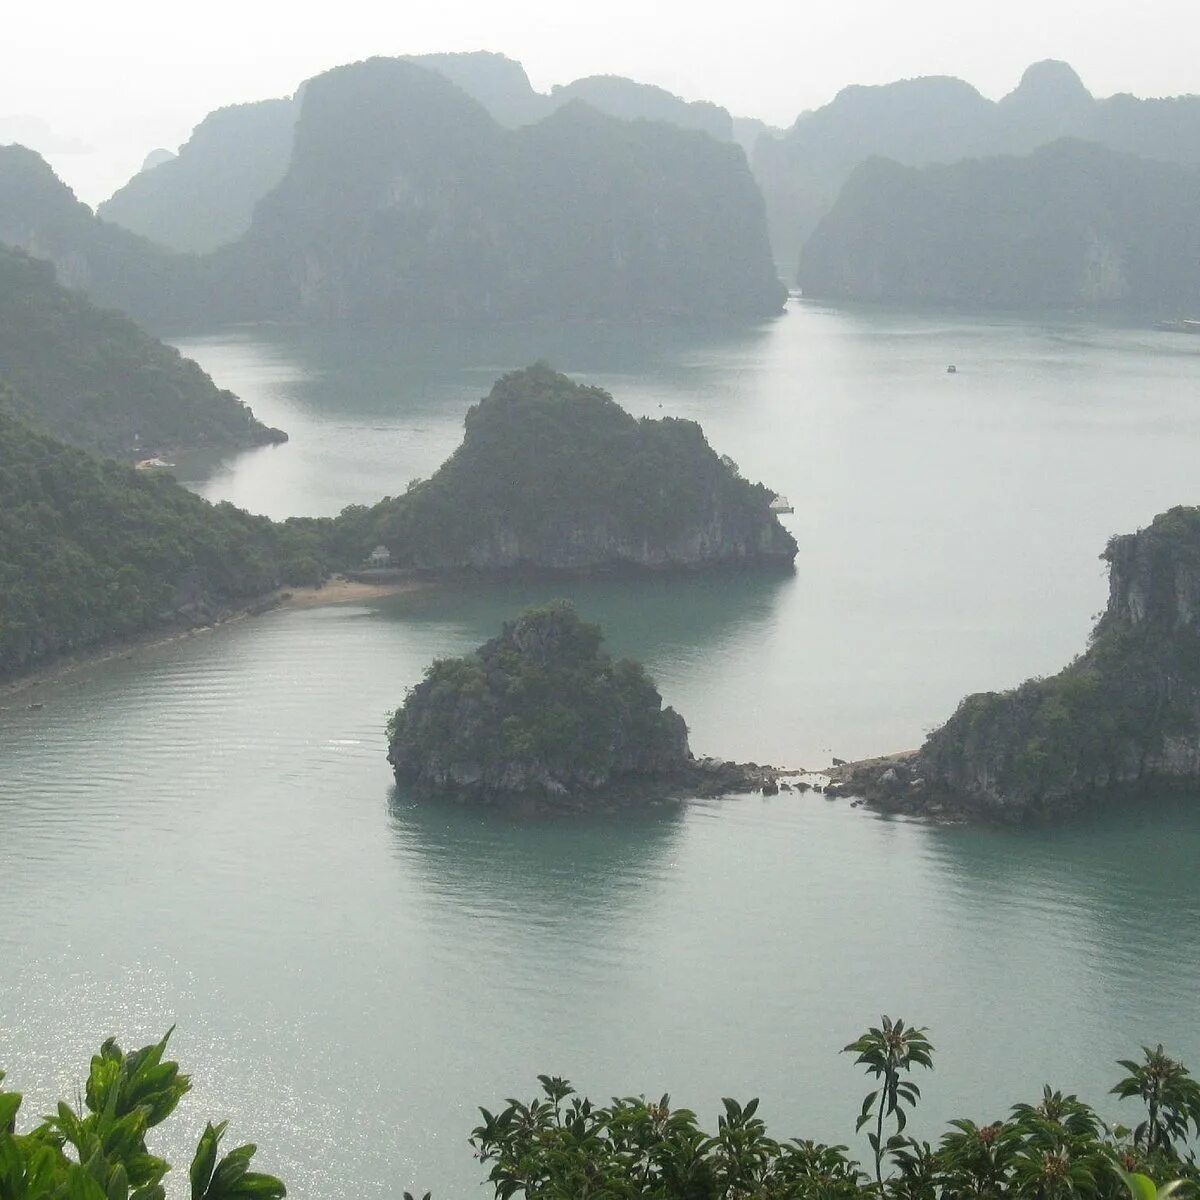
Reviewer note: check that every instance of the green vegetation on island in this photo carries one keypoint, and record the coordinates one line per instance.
(91, 377)
(551, 474)
(92, 551)
(554, 474)
(97, 1149)
(1073, 225)
(1120, 722)
(539, 711)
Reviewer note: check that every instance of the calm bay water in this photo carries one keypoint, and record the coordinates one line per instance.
(207, 833)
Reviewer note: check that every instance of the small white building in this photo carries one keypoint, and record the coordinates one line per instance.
(381, 556)
(781, 504)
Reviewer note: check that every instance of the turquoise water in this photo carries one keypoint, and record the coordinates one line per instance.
(207, 833)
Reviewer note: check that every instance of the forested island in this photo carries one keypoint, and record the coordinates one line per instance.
(93, 551)
(552, 474)
(1073, 225)
(540, 714)
(91, 377)
(1120, 724)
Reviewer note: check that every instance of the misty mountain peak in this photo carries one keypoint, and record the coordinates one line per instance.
(1049, 82)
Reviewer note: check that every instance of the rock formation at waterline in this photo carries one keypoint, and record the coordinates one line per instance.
(1122, 722)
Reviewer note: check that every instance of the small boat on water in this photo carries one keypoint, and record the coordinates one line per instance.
(1181, 326)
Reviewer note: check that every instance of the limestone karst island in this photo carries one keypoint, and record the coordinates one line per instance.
(542, 714)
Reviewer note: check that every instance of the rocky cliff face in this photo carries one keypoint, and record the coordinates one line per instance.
(554, 475)
(1071, 225)
(406, 199)
(1122, 721)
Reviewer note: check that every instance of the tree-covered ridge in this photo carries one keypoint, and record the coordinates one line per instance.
(91, 377)
(92, 551)
(1122, 719)
(552, 473)
(1071, 225)
(115, 268)
(539, 709)
(97, 1150)
(205, 196)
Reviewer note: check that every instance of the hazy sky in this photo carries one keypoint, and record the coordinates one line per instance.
(128, 75)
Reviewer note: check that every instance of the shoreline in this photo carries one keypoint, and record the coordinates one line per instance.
(338, 590)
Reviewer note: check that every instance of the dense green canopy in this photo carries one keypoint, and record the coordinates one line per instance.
(540, 709)
(91, 550)
(552, 473)
(91, 377)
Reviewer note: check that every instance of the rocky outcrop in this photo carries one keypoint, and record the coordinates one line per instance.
(540, 714)
(1073, 225)
(553, 475)
(1121, 722)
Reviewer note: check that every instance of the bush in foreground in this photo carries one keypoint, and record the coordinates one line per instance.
(98, 1150)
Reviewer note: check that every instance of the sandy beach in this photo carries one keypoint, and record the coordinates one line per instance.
(338, 590)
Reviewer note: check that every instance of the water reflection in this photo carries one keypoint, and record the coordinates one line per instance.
(558, 885)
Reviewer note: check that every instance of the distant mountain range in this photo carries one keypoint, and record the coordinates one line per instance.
(1072, 225)
(205, 198)
(402, 197)
(405, 198)
(944, 120)
(445, 186)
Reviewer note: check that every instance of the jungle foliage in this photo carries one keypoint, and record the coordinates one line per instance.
(97, 1150)
(540, 706)
(91, 377)
(560, 1146)
(92, 550)
(550, 466)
